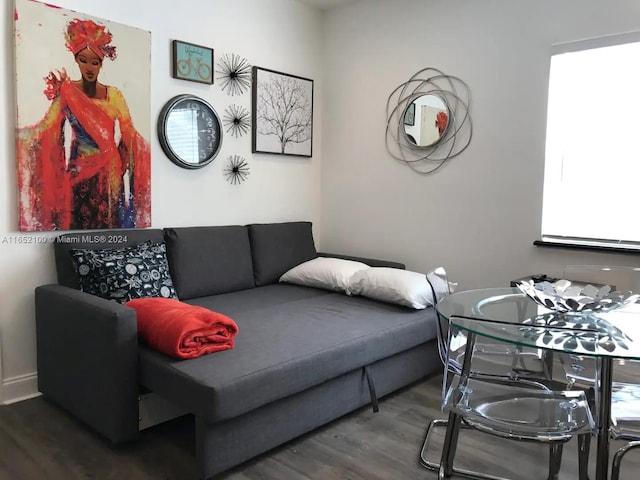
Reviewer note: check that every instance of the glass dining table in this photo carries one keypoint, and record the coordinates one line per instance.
(508, 315)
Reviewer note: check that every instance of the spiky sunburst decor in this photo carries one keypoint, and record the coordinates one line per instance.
(234, 74)
(237, 170)
(237, 119)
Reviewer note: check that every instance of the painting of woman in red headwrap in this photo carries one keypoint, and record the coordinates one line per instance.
(83, 164)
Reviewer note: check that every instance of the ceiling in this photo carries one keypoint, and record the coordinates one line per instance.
(326, 4)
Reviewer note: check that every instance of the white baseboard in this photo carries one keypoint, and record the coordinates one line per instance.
(22, 387)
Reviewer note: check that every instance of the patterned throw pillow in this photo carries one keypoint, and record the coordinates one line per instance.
(122, 274)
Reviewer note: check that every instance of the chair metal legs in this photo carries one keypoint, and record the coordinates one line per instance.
(555, 460)
(617, 458)
(435, 466)
(555, 457)
(584, 442)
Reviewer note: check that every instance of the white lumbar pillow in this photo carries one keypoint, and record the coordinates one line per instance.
(324, 272)
(392, 285)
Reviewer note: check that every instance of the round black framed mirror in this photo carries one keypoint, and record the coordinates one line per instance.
(190, 131)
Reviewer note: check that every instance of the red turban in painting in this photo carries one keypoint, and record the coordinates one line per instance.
(87, 33)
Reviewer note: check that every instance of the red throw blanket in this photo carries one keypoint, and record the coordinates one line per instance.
(182, 330)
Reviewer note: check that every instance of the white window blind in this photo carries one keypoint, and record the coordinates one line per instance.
(592, 158)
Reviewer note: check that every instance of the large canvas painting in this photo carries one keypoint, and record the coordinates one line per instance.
(83, 120)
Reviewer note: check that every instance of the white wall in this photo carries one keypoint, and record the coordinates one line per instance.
(477, 216)
(279, 34)
(480, 213)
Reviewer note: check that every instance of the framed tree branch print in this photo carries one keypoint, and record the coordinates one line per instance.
(282, 120)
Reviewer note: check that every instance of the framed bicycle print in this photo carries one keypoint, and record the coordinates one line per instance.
(192, 62)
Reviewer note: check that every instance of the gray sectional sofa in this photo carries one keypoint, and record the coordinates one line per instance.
(303, 356)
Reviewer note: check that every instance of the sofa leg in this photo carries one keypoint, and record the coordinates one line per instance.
(206, 467)
(200, 449)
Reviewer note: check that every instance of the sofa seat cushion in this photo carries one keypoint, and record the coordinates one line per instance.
(284, 349)
(258, 298)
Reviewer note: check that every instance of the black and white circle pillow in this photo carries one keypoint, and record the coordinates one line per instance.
(122, 274)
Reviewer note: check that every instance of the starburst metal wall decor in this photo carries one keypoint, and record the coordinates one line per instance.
(237, 170)
(237, 119)
(234, 73)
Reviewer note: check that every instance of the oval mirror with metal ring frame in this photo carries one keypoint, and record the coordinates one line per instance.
(428, 120)
(190, 131)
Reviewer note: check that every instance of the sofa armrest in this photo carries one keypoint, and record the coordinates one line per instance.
(373, 262)
(87, 350)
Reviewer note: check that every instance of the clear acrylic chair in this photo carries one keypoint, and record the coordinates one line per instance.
(580, 371)
(488, 396)
(625, 421)
(440, 288)
(525, 367)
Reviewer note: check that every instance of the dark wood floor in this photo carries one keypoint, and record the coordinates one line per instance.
(40, 442)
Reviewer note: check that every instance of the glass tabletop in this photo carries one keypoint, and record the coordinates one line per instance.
(508, 315)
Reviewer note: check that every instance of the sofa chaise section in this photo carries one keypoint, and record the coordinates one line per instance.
(285, 349)
(236, 440)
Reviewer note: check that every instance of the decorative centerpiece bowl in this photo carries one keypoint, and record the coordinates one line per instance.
(579, 298)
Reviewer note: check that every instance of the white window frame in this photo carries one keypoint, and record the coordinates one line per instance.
(587, 196)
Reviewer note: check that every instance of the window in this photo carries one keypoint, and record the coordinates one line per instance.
(182, 134)
(592, 158)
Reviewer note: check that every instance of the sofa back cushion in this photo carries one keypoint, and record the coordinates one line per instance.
(96, 240)
(209, 260)
(278, 247)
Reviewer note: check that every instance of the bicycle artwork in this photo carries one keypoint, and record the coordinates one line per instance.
(192, 62)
